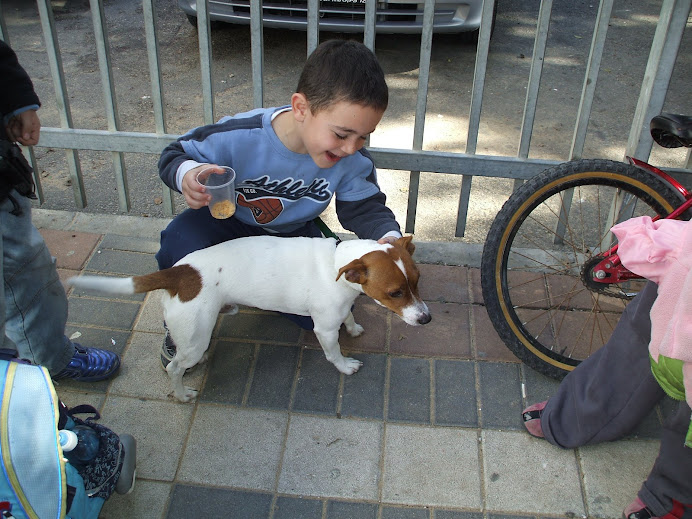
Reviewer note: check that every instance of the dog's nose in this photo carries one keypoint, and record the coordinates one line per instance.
(424, 319)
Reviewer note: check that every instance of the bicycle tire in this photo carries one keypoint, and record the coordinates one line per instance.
(535, 279)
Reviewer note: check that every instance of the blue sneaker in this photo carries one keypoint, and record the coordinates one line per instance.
(90, 365)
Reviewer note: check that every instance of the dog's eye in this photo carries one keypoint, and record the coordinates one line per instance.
(396, 294)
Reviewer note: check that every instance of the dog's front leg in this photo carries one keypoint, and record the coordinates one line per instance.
(175, 373)
(352, 327)
(329, 340)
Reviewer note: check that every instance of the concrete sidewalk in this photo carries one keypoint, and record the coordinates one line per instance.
(430, 427)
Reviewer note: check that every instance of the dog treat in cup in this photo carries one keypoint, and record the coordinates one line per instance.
(221, 187)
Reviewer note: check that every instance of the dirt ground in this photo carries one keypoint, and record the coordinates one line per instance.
(629, 38)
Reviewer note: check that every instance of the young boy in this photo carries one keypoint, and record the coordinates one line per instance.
(289, 162)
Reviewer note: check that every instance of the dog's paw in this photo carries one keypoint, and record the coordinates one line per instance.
(349, 366)
(188, 395)
(356, 330)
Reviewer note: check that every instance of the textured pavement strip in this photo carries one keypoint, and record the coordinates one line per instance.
(429, 428)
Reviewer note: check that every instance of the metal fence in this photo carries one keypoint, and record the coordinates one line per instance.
(673, 18)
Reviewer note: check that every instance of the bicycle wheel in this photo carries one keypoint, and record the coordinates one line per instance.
(541, 248)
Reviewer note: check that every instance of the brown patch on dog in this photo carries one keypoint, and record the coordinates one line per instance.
(183, 281)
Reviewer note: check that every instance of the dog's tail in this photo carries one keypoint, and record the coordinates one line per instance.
(182, 280)
(109, 285)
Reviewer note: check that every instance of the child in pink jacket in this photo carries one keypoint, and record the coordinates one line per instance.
(648, 356)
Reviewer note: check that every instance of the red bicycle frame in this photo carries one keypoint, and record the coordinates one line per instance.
(610, 269)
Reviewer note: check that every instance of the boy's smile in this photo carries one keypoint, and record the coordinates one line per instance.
(333, 133)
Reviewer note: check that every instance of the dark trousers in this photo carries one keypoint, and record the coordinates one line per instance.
(611, 392)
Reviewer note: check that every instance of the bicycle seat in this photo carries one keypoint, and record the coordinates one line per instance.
(672, 130)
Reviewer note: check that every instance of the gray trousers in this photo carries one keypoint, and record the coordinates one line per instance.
(611, 392)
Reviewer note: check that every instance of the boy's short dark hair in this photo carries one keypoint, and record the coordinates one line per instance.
(343, 70)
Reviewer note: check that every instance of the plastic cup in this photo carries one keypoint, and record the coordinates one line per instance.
(221, 187)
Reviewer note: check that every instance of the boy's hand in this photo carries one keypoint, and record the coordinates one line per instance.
(194, 192)
(387, 239)
(24, 128)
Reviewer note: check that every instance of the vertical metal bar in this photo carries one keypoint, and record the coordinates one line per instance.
(369, 24)
(584, 111)
(205, 63)
(3, 27)
(313, 25)
(257, 44)
(659, 69)
(103, 51)
(149, 8)
(50, 38)
(475, 110)
(592, 68)
(534, 78)
(421, 103)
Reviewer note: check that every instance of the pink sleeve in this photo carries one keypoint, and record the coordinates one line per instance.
(646, 247)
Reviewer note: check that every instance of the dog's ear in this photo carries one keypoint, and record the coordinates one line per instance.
(355, 272)
(406, 243)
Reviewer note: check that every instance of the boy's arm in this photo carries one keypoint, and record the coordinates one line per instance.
(171, 158)
(369, 218)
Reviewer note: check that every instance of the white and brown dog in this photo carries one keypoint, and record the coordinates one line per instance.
(302, 276)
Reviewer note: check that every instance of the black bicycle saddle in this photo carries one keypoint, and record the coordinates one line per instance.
(672, 130)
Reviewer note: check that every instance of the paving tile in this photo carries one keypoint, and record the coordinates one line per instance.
(487, 342)
(443, 284)
(613, 474)
(331, 458)
(363, 392)
(130, 243)
(147, 501)
(475, 287)
(151, 315)
(297, 507)
(229, 370)
(390, 512)
(258, 327)
(122, 262)
(193, 501)
(141, 374)
(101, 312)
(409, 390)
(431, 467)
(318, 384)
(343, 510)
(234, 447)
(71, 249)
(450, 514)
(160, 428)
(537, 387)
(273, 376)
(509, 490)
(455, 393)
(506, 516)
(501, 404)
(448, 334)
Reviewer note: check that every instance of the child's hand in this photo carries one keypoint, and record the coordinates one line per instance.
(387, 239)
(194, 192)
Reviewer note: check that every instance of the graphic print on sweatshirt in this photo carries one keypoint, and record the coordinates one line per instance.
(267, 198)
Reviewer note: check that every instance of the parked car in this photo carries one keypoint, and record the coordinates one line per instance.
(404, 16)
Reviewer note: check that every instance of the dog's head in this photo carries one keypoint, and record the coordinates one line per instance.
(390, 277)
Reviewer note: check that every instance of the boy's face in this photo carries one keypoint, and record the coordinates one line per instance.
(336, 131)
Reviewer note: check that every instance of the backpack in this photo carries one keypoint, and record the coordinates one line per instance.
(37, 481)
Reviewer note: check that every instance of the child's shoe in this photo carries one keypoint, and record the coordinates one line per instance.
(639, 510)
(90, 365)
(532, 419)
(168, 349)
